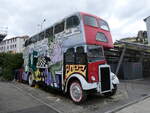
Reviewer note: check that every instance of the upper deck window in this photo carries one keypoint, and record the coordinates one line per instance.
(41, 35)
(49, 32)
(89, 20)
(59, 27)
(103, 25)
(26, 43)
(72, 21)
(37, 37)
(33, 39)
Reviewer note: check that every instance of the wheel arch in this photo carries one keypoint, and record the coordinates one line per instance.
(29, 73)
(84, 84)
(114, 78)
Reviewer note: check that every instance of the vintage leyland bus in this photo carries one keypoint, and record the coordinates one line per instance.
(69, 56)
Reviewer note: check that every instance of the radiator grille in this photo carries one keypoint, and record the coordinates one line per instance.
(105, 79)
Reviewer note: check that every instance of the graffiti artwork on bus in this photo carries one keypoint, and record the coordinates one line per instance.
(71, 69)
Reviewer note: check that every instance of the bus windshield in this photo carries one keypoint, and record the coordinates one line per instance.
(103, 25)
(91, 21)
(95, 53)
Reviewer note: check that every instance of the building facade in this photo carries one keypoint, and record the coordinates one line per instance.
(14, 45)
(147, 20)
(3, 33)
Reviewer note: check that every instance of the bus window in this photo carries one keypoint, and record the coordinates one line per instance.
(49, 32)
(30, 41)
(91, 21)
(95, 53)
(41, 35)
(103, 25)
(80, 55)
(69, 56)
(37, 37)
(101, 37)
(72, 21)
(26, 43)
(59, 27)
(33, 39)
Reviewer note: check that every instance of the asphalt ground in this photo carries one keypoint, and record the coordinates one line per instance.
(13, 100)
(20, 98)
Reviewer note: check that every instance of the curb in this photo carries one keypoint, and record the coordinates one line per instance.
(37, 99)
(128, 104)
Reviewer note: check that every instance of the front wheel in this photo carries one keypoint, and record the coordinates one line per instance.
(76, 92)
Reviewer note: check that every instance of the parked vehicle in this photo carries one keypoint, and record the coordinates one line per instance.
(69, 56)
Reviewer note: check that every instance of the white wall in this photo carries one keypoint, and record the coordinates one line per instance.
(148, 28)
(14, 44)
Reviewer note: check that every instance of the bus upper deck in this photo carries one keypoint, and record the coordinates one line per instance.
(79, 28)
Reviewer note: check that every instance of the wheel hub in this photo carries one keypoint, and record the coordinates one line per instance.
(76, 92)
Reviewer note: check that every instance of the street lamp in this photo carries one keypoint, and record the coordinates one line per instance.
(44, 20)
(41, 24)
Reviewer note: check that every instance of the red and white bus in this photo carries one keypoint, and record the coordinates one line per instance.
(69, 56)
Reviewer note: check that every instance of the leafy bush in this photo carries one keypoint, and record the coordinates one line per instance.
(8, 63)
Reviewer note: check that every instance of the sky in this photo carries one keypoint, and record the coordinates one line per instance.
(23, 17)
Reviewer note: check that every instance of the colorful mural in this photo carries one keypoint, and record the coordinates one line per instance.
(44, 59)
(72, 69)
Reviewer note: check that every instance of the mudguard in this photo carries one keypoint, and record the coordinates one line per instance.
(85, 85)
(114, 78)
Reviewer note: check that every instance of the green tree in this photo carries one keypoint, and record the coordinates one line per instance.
(8, 63)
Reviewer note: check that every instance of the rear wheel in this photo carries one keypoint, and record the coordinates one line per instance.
(31, 82)
(76, 92)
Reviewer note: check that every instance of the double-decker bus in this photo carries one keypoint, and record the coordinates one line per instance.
(69, 56)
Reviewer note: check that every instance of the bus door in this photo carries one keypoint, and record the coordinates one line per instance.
(75, 62)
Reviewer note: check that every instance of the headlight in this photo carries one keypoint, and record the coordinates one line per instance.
(93, 78)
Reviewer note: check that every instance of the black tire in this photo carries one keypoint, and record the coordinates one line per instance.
(31, 82)
(76, 92)
(113, 92)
